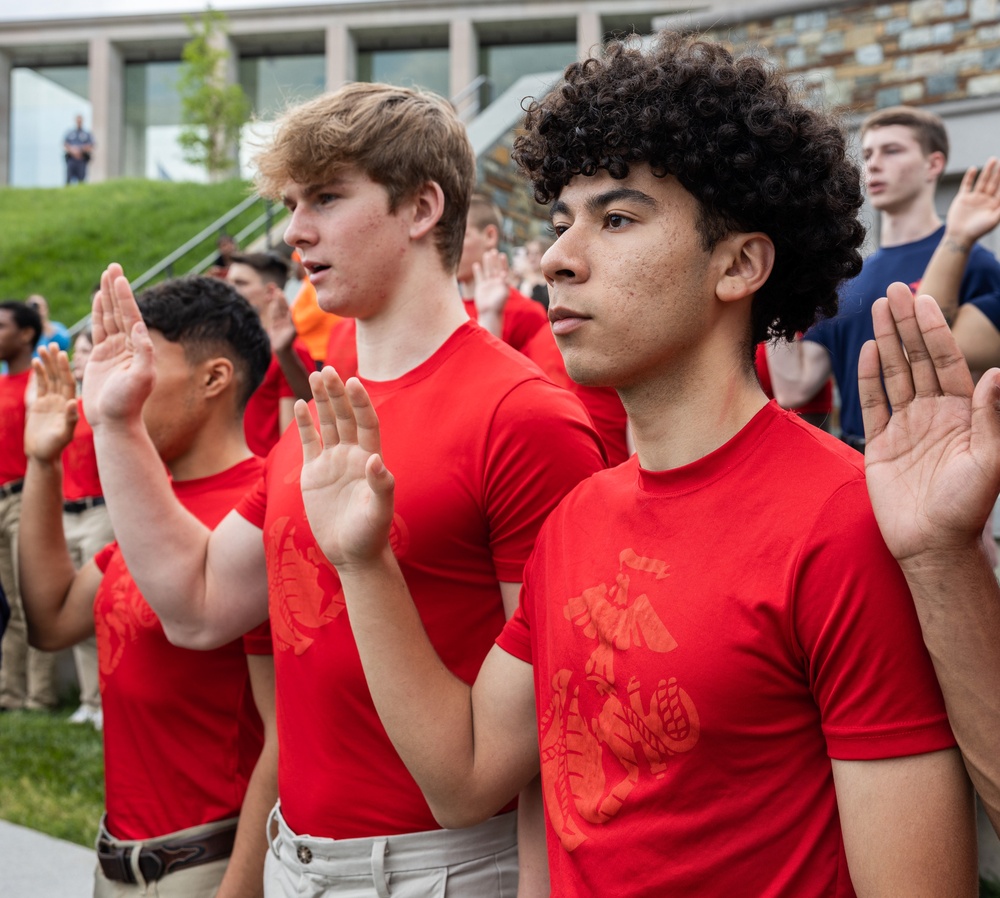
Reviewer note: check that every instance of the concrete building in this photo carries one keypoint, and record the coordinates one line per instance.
(120, 71)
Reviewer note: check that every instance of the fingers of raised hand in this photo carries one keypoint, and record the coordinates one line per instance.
(311, 444)
(52, 372)
(895, 367)
(336, 417)
(985, 439)
(874, 407)
(66, 380)
(495, 264)
(989, 178)
(104, 325)
(366, 419)
(950, 368)
(379, 480)
(922, 373)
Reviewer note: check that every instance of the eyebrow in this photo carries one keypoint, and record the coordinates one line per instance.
(311, 190)
(601, 201)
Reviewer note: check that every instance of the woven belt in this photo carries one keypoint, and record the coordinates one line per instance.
(75, 506)
(12, 488)
(155, 862)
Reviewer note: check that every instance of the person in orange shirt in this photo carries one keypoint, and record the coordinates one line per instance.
(312, 324)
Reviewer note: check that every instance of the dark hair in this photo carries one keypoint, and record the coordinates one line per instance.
(270, 266)
(927, 128)
(208, 317)
(25, 316)
(729, 130)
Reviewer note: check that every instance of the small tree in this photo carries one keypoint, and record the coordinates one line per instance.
(212, 110)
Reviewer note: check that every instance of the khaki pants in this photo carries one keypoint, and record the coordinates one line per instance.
(194, 882)
(477, 862)
(87, 532)
(27, 676)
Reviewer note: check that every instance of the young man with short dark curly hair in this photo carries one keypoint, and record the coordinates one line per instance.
(753, 716)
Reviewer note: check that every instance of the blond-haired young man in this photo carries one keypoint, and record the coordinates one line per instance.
(377, 181)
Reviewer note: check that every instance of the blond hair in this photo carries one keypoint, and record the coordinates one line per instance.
(399, 137)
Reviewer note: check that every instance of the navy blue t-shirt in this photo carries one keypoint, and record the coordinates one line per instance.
(845, 333)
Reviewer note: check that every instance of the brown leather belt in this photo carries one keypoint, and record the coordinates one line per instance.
(155, 862)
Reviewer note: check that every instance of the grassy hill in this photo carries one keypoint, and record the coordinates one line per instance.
(56, 241)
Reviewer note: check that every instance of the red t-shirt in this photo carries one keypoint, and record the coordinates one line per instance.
(602, 403)
(261, 421)
(704, 640)
(522, 318)
(820, 404)
(79, 462)
(482, 447)
(181, 732)
(13, 462)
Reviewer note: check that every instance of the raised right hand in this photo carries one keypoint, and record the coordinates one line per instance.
(120, 373)
(932, 461)
(975, 211)
(346, 489)
(52, 416)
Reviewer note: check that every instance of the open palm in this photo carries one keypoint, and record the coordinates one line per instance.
(975, 211)
(346, 490)
(52, 416)
(932, 459)
(120, 374)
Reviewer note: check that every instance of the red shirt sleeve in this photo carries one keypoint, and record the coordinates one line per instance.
(515, 637)
(540, 448)
(253, 505)
(103, 558)
(861, 640)
(258, 640)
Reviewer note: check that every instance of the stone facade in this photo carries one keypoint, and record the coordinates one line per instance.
(859, 57)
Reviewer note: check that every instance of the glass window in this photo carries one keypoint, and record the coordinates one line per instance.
(44, 106)
(426, 68)
(272, 83)
(153, 124)
(503, 64)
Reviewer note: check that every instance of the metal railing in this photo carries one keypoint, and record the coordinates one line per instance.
(499, 116)
(472, 89)
(261, 226)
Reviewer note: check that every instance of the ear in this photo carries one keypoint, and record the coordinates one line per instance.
(936, 163)
(747, 260)
(492, 234)
(217, 374)
(428, 207)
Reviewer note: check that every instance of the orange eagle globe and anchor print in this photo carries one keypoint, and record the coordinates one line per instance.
(628, 727)
(305, 586)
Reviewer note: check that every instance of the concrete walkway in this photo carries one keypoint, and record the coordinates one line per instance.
(34, 865)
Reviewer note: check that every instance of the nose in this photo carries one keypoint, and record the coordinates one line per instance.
(298, 231)
(563, 261)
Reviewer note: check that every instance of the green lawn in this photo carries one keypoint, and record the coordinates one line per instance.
(53, 774)
(56, 241)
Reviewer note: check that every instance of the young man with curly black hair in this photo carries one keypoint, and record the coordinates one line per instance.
(753, 717)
